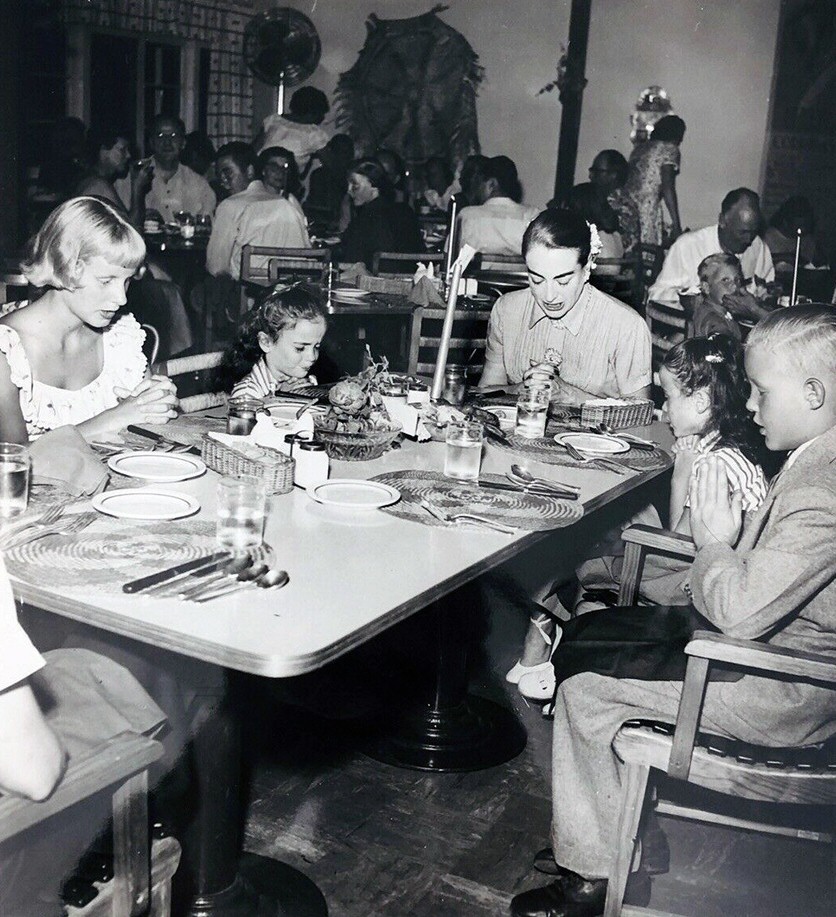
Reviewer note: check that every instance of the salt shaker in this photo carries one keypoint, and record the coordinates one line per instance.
(312, 464)
(455, 384)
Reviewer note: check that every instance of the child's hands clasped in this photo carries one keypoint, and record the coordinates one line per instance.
(716, 514)
(154, 400)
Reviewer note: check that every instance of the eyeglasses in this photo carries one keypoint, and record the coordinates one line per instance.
(171, 135)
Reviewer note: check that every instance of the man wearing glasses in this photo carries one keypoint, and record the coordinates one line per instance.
(175, 186)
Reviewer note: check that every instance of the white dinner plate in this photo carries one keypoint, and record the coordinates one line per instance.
(506, 414)
(593, 443)
(348, 293)
(145, 503)
(284, 413)
(160, 467)
(354, 494)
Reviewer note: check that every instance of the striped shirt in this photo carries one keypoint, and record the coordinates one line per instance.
(602, 345)
(261, 383)
(744, 476)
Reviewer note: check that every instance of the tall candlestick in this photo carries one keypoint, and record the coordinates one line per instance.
(795, 266)
(451, 238)
(446, 333)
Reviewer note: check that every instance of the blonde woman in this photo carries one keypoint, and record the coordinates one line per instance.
(63, 358)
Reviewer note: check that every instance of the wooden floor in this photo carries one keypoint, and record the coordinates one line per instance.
(385, 842)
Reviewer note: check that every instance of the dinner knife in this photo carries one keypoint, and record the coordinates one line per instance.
(159, 438)
(540, 490)
(165, 576)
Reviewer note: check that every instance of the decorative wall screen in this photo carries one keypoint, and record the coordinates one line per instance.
(412, 90)
(217, 23)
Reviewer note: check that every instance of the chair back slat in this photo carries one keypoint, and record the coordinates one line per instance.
(193, 376)
(399, 264)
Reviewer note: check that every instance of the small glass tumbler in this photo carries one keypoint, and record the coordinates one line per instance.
(241, 415)
(242, 507)
(532, 411)
(14, 479)
(203, 224)
(463, 455)
(186, 221)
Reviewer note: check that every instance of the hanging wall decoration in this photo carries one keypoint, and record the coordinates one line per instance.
(412, 90)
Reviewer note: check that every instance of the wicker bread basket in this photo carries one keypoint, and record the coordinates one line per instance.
(616, 415)
(275, 468)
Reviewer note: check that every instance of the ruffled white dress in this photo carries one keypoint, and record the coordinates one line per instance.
(45, 407)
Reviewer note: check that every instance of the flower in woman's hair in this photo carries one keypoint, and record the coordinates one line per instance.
(714, 358)
(595, 244)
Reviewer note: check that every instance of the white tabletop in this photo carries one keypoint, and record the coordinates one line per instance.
(353, 573)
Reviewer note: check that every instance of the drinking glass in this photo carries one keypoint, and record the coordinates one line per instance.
(186, 221)
(242, 506)
(463, 455)
(532, 410)
(203, 224)
(14, 479)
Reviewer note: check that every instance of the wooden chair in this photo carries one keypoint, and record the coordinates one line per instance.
(192, 376)
(264, 266)
(151, 347)
(287, 265)
(14, 287)
(500, 273)
(668, 326)
(402, 264)
(141, 882)
(804, 776)
(622, 278)
(649, 259)
(470, 327)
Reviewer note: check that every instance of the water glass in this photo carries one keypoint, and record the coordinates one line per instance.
(14, 479)
(532, 410)
(463, 455)
(242, 506)
(186, 221)
(203, 224)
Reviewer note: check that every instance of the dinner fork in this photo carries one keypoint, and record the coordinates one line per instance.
(592, 459)
(73, 525)
(453, 518)
(51, 515)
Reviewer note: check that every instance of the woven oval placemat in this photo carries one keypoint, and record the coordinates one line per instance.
(110, 552)
(545, 449)
(521, 510)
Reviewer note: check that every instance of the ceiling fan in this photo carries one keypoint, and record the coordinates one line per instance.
(281, 48)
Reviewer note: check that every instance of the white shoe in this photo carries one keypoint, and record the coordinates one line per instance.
(540, 685)
(519, 670)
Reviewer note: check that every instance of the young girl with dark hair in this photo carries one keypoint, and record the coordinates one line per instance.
(705, 402)
(277, 345)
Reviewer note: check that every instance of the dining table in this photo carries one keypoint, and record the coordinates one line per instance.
(353, 574)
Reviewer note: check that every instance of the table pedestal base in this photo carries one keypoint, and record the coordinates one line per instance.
(475, 734)
(452, 730)
(263, 888)
(221, 881)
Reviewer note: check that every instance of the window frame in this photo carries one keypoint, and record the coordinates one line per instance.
(79, 43)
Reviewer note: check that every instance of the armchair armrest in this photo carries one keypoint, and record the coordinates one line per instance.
(108, 764)
(706, 647)
(641, 540)
(772, 660)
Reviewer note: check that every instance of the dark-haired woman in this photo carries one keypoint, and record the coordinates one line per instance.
(594, 345)
(651, 179)
(377, 224)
